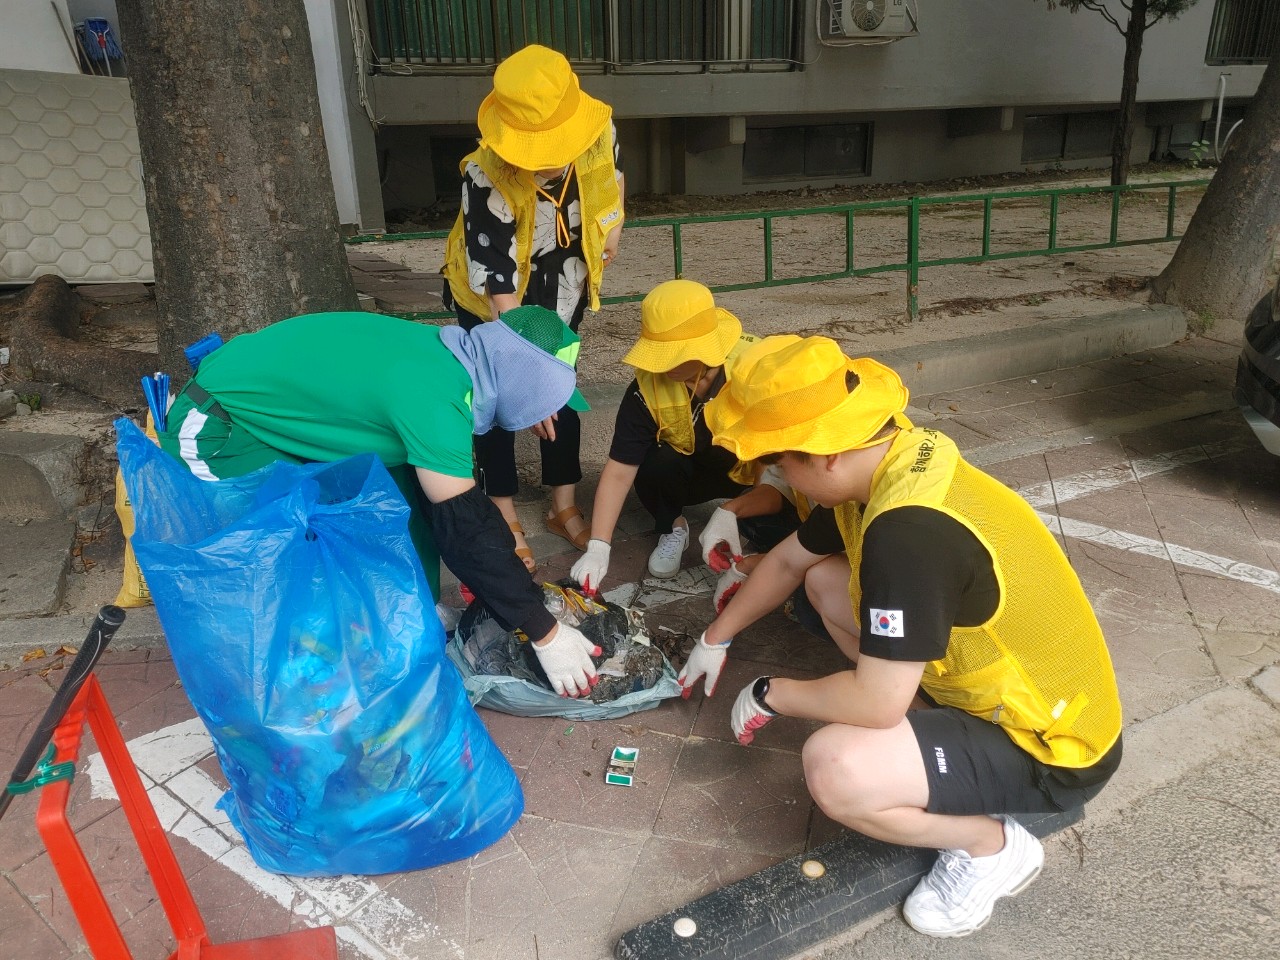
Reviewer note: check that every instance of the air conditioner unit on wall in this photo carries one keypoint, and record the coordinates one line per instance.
(871, 19)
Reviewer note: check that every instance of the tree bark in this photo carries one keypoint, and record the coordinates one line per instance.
(1122, 139)
(1226, 260)
(244, 225)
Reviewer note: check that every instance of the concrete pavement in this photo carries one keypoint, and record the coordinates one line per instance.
(1170, 513)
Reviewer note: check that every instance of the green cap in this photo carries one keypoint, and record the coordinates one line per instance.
(545, 330)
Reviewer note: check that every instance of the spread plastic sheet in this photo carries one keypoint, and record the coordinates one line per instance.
(502, 672)
(304, 633)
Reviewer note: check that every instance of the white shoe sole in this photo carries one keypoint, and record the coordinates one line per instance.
(982, 922)
(663, 576)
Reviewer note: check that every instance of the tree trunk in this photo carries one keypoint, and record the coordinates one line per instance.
(1226, 259)
(1122, 139)
(244, 225)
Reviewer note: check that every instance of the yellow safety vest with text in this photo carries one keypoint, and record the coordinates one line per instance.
(598, 198)
(1039, 667)
(671, 407)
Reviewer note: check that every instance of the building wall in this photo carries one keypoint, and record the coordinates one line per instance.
(31, 38)
(980, 53)
(949, 102)
(71, 195)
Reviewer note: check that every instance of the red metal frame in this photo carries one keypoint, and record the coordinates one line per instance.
(99, 926)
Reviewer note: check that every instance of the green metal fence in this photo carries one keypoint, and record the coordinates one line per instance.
(911, 208)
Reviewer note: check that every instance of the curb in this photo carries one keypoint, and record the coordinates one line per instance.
(141, 630)
(1005, 355)
(780, 910)
(991, 357)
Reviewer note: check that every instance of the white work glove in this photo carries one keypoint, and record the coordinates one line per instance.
(728, 584)
(720, 542)
(749, 714)
(704, 658)
(566, 658)
(592, 566)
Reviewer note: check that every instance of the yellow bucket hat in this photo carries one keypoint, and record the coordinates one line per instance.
(787, 393)
(679, 322)
(537, 116)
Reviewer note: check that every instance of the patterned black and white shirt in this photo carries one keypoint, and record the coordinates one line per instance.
(558, 275)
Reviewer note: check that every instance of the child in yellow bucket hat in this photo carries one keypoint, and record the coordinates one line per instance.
(661, 444)
(541, 218)
(931, 576)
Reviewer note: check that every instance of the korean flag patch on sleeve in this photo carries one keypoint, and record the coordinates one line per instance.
(886, 623)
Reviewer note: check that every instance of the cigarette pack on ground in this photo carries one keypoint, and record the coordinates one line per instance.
(621, 771)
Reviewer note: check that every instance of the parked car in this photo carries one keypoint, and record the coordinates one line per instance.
(1258, 374)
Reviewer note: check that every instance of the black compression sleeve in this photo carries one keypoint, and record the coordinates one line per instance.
(477, 546)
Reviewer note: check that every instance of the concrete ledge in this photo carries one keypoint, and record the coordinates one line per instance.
(141, 630)
(989, 357)
(34, 558)
(985, 358)
(39, 475)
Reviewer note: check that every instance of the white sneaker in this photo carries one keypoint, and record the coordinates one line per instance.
(956, 897)
(664, 562)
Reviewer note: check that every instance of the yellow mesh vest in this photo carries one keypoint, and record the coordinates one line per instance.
(1039, 667)
(669, 404)
(598, 199)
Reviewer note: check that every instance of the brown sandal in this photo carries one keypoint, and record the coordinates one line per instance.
(559, 525)
(525, 553)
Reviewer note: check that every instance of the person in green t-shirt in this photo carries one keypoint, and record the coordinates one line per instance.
(325, 386)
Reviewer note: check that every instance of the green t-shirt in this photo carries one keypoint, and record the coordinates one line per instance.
(325, 386)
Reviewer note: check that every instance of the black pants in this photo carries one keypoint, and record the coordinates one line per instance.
(496, 450)
(668, 481)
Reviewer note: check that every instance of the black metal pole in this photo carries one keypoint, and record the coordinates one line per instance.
(104, 627)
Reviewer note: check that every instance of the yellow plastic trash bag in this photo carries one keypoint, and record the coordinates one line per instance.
(133, 592)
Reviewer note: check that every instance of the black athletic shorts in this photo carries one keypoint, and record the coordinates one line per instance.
(973, 767)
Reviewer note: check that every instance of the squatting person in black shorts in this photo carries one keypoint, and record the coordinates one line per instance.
(931, 576)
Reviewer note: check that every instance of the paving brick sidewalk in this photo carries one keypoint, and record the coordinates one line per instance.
(1170, 513)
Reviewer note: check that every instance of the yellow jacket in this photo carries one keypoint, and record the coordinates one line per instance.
(599, 200)
(1039, 667)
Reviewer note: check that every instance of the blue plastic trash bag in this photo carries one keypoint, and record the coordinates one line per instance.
(304, 633)
(501, 672)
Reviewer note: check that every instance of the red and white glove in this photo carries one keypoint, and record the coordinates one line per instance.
(592, 566)
(749, 711)
(566, 658)
(719, 539)
(729, 583)
(704, 658)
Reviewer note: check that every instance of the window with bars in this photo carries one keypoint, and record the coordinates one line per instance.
(613, 34)
(1067, 136)
(814, 150)
(1243, 31)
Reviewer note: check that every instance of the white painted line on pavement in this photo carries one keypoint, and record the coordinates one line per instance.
(1183, 556)
(370, 920)
(1097, 481)
(1059, 491)
(1198, 404)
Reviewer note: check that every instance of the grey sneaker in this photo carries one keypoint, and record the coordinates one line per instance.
(664, 562)
(957, 896)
